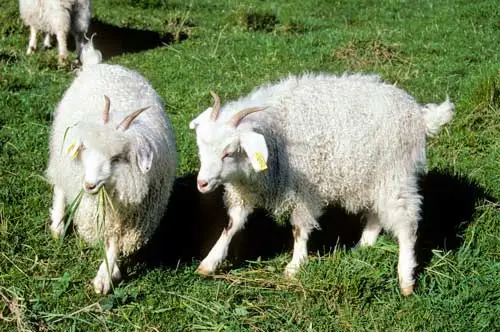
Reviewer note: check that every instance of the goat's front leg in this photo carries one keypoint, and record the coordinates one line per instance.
(32, 41)
(57, 212)
(303, 221)
(237, 218)
(108, 271)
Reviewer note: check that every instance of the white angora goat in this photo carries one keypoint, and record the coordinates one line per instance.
(110, 132)
(56, 17)
(296, 146)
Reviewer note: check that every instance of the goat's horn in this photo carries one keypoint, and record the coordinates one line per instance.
(236, 119)
(216, 108)
(105, 114)
(128, 120)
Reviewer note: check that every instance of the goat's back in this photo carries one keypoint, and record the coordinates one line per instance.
(347, 137)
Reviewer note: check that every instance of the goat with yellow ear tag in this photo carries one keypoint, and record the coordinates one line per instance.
(306, 142)
(112, 149)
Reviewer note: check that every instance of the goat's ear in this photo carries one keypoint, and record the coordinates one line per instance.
(144, 156)
(204, 116)
(256, 149)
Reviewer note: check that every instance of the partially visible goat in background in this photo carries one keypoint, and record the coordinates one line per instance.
(56, 17)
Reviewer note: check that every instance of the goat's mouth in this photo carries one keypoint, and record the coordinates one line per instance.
(91, 188)
(206, 187)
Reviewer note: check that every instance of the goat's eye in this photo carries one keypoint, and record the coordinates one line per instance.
(121, 158)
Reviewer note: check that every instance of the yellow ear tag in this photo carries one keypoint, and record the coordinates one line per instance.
(259, 161)
(73, 150)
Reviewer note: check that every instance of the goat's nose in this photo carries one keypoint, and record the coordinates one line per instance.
(202, 184)
(89, 186)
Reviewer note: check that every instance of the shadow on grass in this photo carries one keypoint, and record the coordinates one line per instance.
(112, 40)
(449, 205)
(194, 222)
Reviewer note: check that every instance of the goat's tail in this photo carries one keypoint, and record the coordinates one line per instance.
(89, 55)
(437, 115)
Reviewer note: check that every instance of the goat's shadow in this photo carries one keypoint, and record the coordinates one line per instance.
(112, 40)
(194, 221)
(449, 205)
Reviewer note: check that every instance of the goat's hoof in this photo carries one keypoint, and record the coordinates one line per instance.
(30, 50)
(291, 272)
(367, 242)
(57, 231)
(102, 285)
(116, 276)
(204, 271)
(61, 61)
(407, 291)
(55, 234)
(368, 238)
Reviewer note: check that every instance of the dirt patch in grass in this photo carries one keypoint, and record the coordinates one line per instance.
(291, 28)
(361, 54)
(257, 21)
(180, 28)
(268, 22)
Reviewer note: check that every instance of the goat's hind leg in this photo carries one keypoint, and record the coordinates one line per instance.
(401, 217)
(407, 260)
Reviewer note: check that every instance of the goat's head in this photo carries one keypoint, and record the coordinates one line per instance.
(227, 151)
(104, 152)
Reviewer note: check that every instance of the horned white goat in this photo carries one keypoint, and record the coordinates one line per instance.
(56, 17)
(296, 146)
(110, 130)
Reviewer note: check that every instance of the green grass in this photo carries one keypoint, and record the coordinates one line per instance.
(430, 48)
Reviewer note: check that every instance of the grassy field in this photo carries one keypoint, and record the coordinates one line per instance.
(187, 48)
